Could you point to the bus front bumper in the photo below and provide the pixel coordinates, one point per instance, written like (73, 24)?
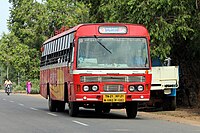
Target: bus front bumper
(100, 97)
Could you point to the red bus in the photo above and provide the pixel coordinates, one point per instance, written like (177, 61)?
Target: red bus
(101, 66)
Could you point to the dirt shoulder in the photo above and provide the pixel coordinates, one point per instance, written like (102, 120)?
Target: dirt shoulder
(181, 115)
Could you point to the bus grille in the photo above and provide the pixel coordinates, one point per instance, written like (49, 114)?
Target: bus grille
(136, 79)
(112, 79)
(113, 88)
(89, 79)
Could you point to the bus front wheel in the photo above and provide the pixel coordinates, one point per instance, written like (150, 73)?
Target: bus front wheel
(131, 109)
(73, 109)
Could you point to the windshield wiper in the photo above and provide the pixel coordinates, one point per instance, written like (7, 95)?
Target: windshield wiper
(102, 44)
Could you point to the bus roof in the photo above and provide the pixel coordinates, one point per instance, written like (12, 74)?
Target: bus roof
(97, 24)
(63, 33)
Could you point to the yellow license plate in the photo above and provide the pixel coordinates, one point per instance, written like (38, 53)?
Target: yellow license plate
(113, 98)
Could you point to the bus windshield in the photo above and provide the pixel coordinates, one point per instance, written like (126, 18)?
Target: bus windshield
(112, 53)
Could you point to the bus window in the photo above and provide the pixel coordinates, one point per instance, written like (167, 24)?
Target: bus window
(119, 53)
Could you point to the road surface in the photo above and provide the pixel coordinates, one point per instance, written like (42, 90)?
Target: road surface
(22, 113)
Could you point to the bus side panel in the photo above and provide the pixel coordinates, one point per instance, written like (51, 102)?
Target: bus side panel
(43, 83)
(70, 84)
(60, 83)
(52, 83)
(72, 94)
(56, 84)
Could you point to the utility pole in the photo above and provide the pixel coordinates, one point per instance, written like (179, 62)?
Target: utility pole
(7, 72)
(18, 79)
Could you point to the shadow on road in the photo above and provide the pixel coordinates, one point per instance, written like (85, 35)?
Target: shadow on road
(91, 114)
(150, 109)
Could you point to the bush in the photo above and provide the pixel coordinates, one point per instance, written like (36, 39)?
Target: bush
(35, 91)
(35, 86)
(18, 88)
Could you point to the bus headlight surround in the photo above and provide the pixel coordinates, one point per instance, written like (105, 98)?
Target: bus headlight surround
(131, 88)
(140, 88)
(95, 88)
(86, 88)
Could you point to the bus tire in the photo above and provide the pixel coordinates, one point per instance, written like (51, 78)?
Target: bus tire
(52, 104)
(131, 109)
(61, 106)
(98, 108)
(73, 109)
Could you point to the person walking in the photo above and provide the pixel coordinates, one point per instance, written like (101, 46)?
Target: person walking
(28, 87)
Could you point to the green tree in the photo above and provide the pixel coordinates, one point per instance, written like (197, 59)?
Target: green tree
(26, 22)
(65, 13)
(32, 23)
(96, 15)
(14, 55)
(163, 18)
(174, 30)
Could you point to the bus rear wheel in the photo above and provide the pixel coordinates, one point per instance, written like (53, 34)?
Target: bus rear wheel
(131, 109)
(61, 106)
(73, 109)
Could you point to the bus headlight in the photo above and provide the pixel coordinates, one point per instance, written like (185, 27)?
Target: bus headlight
(140, 88)
(95, 88)
(131, 88)
(86, 88)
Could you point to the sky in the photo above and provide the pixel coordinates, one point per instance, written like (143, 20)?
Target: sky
(4, 15)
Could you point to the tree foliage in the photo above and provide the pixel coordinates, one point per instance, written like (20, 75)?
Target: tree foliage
(164, 19)
(30, 24)
(65, 13)
(14, 55)
(26, 22)
(174, 30)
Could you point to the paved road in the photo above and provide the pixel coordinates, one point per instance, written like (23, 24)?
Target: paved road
(28, 114)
